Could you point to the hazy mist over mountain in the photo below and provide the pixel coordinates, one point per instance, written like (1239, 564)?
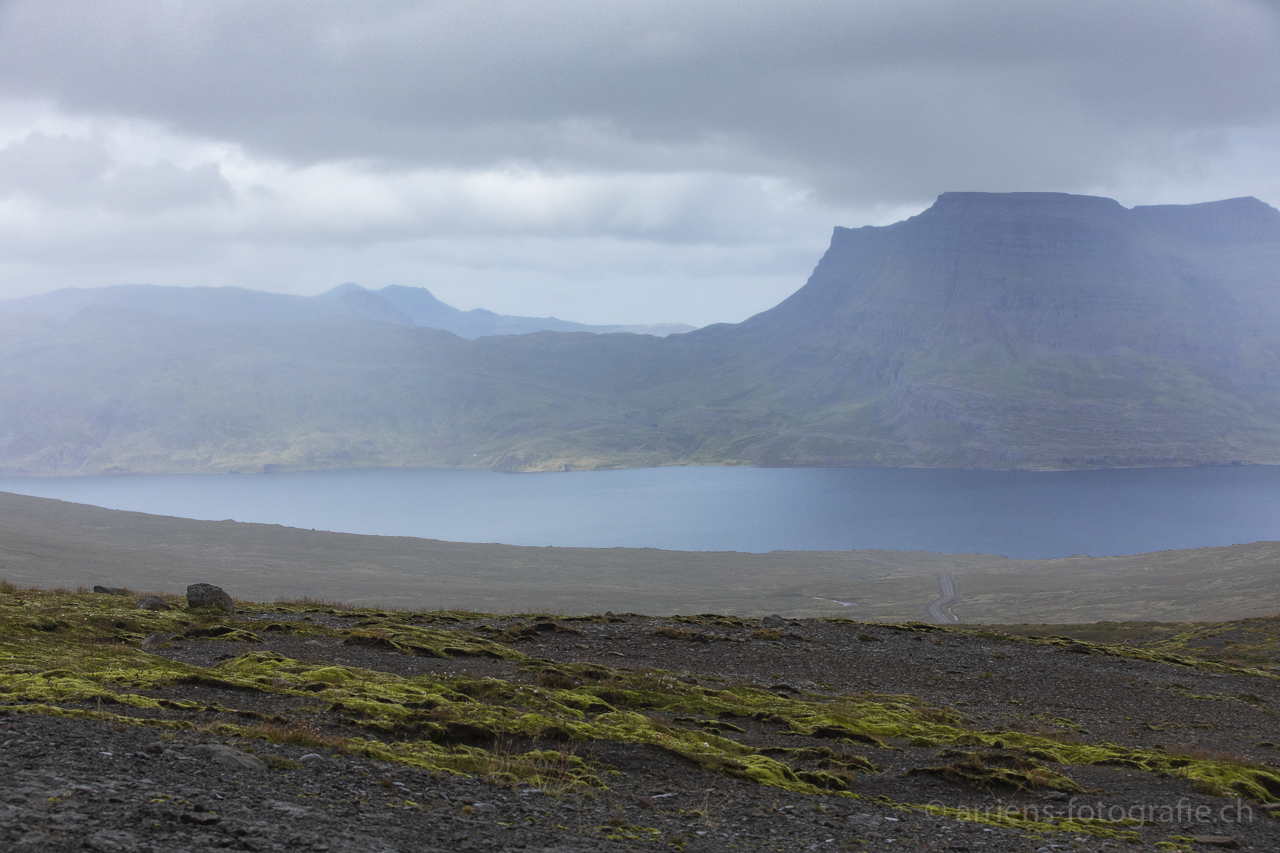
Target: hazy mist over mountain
(1023, 330)
(406, 306)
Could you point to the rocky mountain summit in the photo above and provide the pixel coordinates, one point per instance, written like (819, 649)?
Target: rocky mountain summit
(315, 726)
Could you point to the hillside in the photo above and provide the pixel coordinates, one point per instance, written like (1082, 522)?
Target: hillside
(1028, 330)
(54, 543)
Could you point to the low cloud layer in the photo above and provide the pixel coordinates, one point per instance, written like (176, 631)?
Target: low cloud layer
(626, 162)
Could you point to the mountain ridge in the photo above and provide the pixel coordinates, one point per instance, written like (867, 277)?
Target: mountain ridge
(990, 331)
(397, 304)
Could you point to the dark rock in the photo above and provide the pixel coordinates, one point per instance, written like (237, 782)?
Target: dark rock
(774, 621)
(110, 590)
(208, 595)
(153, 602)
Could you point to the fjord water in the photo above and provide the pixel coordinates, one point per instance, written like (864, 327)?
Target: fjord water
(1020, 514)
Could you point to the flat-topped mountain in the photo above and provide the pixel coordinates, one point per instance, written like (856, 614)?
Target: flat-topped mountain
(1048, 271)
(1024, 330)
(1042, 329)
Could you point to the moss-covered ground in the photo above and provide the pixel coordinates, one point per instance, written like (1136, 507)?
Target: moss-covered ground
(80, 654)
(1252, 644)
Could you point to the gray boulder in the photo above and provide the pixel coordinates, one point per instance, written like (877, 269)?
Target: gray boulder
(156, 641)
(208, 595)
(153, 602)
(773, 620)
(226, 756)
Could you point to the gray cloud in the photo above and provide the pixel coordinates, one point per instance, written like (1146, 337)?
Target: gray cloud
(635, 161)
(73, 172)
(879, 102)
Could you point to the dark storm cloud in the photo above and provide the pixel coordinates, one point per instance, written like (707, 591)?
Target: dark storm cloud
(864, 102)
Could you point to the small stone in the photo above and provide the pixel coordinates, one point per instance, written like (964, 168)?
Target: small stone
(111, 840)
(199, 818)
(773, 620)
(1217, 841)
(152, 602)
(110, 590)
(226, 756)
(208, 595)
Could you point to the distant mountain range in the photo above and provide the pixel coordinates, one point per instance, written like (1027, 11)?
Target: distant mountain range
(406, 306)
(1024, 330)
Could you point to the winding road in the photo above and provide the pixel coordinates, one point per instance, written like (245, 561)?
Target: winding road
(940, 610)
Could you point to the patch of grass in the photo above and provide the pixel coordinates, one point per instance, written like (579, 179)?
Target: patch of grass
(997, 768)
(53, 660)
(686, 634)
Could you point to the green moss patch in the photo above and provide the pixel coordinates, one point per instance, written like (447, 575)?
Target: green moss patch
(81, 655)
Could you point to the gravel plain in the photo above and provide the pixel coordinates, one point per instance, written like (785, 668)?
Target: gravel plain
(73, 784)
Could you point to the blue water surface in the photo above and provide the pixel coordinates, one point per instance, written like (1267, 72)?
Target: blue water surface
(1017, 514)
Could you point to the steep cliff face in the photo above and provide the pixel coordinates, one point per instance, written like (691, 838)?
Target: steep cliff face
(1047, 271)
(1036, 329)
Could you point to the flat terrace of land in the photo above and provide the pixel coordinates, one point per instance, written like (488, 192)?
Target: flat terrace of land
(52, 543)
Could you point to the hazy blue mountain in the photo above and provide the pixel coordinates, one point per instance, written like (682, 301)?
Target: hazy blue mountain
(405, 306)
(1031, 329)
(426, 310)
(1027, 330)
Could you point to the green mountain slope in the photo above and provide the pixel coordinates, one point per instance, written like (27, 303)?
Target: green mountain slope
(1020, 330)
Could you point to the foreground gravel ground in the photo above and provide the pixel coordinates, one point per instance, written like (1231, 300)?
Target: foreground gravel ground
(73, 784)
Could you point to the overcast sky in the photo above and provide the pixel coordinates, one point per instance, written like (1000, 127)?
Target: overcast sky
(600, 161)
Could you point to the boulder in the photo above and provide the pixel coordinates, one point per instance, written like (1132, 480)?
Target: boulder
(111, 590)
(208, 595)
(226, 756)
(773, 620)
(153, 602)
(156, 641)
